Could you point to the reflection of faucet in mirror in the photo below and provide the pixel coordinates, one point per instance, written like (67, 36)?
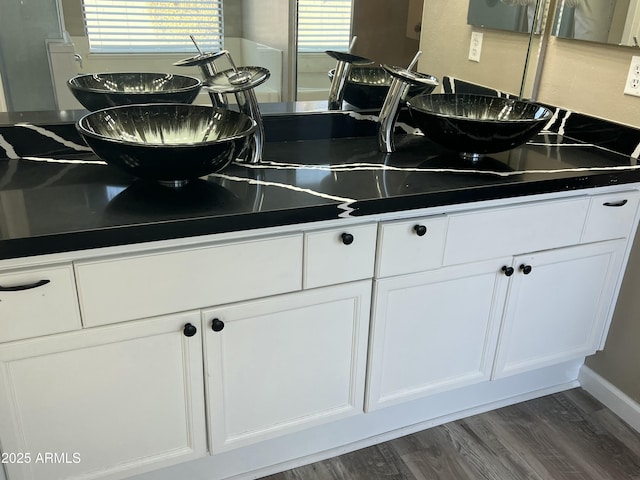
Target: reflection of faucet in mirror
(208, 68)
(344, 61)
(403, 79)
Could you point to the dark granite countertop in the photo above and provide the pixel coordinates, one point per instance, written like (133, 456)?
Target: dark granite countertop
(56, 195)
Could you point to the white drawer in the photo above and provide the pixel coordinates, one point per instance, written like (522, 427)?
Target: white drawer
(409, 246)
(116, 290)
(38, 302)
(339, 255)
(611, 216)
(490, 233)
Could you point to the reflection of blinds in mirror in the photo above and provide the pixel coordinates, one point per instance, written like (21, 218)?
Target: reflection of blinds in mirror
(153, 26)
(324, 25)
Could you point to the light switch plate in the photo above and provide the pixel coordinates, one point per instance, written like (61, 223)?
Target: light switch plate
(632, 86)
(476, 46)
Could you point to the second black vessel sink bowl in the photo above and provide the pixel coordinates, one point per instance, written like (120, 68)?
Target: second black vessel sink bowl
(169, 143)
(476, 125)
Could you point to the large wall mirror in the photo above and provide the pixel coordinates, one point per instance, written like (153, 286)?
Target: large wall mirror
(511, 15)
(615, 22)
(44, 42)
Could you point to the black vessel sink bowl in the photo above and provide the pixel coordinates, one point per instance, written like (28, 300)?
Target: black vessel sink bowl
(367, 87)
(170, 143)
(103, 90)
(475, 125)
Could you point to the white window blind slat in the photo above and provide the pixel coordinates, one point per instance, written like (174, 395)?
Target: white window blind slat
(148, 26)
(324, 25)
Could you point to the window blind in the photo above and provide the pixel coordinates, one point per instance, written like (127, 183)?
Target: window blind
(324, 25)
(153, 26)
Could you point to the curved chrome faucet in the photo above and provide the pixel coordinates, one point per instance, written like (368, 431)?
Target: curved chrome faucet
(242, 82)
(402, 80)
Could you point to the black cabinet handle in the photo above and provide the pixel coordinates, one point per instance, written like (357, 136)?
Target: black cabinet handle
(217, 325)
(347, 238)
(420, 230)
(508, 271)
(28, 286)
(189, 330)
(526, 269)
(621, 203)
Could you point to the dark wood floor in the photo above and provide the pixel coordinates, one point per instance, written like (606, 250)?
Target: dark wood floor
(569, 435)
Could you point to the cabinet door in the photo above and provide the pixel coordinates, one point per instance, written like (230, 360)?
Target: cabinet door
(109, 402)
(558, 306)
(434, 331)
(285, 363)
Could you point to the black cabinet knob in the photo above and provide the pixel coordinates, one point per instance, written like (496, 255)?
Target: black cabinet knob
(526, 269)
(190, 330)
(217, 325)
(508, 271)
(347, 238)
(420, 230)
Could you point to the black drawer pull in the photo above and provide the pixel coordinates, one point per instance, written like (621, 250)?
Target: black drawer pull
(508, 271)
(217, 325)
(189, 330)
(621, 203)
(420, 230)
(526, 269)
(28, 286)
(347, 238)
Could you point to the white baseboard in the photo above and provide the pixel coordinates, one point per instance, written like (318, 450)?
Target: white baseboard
(611, 396)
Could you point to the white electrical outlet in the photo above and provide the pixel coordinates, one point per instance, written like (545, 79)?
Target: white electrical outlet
(476, 46)
(632, 87)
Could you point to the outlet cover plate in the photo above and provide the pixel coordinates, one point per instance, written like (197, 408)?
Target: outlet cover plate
(632, 87)
(475, 48)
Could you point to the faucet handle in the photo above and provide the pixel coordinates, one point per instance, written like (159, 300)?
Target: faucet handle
(349, 58)
(410, 77)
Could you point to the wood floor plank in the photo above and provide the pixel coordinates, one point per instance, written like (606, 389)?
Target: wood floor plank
(599, 452)
(537, 444)
(566, 436)
(376, 462)
(440, 459)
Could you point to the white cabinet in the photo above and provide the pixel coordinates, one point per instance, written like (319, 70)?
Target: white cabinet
(409, 246)
(486, 309)
(109, 401)
(339, 255)
(434, 331)
(558, 306)
(528, 227)
(117, 289)
(279, 332)
(285, 363)
(38, 301)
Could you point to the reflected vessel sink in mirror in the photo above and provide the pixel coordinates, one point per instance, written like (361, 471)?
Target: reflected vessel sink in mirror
(367, 86)
(103, 90)
(475, 125)
(169, 143)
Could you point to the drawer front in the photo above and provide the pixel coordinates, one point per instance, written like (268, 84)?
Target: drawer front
(410, 246)
(38, 302)
(611, 216)
(116, 290)
(339, 255)
(516, 229)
